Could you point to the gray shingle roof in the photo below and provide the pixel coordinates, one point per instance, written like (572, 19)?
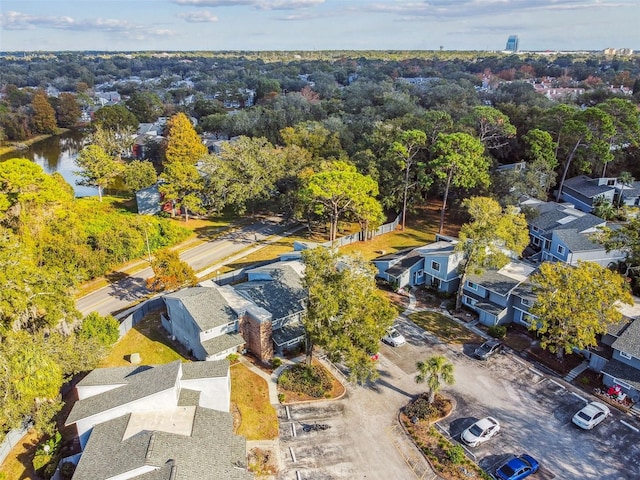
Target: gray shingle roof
(212, 451)
(140, 385)
(206, 305)
(629, 340)
(289, 332)
(111, 376)
(525, 290)
(394, 256)
(549, 220)
(577, 242)
(494, 281)
(586, 186)
(188, 397)
(623, 372)
(193, 370)
(283, 296)
(222, 342)
(405, 263)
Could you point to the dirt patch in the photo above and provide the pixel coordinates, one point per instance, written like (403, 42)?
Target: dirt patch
(337, 390)
(561, 366)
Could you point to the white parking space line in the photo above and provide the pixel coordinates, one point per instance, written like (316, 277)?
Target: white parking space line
(579, 396)
(293, 455)
(558, 384)
(630, 426)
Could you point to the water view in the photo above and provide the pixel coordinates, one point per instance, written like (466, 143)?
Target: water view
(57, 154)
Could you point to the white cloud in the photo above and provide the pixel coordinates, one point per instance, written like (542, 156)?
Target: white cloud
(22, 21)
(198, 17)
(257, 4)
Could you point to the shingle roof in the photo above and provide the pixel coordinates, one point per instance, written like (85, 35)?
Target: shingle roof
(405, 263)
(394, 255)
(289, 332)
(562, 218)
(111, 376)
(283, 296)
(206, 305)
(586, 186)
(499, 282)
(140, 385)
(577, 242)
(211, 451)
(222, 342)
(629, 340)
(193, 370)
(623, 372)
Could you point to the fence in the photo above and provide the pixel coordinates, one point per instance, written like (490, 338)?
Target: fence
(132, 316)
(362, 236)
(11, 440)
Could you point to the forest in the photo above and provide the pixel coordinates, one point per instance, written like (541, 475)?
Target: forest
(321, 137)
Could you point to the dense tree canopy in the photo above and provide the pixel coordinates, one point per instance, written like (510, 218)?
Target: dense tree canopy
(346, 315)
(574, 304)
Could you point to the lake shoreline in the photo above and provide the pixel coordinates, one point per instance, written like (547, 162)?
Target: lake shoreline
(20, 146)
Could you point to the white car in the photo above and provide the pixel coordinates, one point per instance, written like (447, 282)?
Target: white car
(394, 338)
(591, 415)
(481, 431)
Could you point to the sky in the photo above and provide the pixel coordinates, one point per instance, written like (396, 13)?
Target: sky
(173, 25)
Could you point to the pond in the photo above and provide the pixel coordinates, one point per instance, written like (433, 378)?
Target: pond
(57, 154)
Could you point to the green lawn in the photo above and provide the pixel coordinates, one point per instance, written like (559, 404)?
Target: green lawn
(147, 339)
(444, 328)
(250, 395)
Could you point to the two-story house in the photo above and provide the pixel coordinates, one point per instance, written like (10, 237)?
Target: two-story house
(562, 233)
(261, 315)
(583, 191)
(169, 421)
(490, 294)
(434, 265)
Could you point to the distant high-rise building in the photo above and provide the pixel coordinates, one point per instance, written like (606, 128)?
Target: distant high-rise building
(512, 44)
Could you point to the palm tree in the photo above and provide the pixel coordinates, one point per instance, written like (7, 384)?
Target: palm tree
(435, 370)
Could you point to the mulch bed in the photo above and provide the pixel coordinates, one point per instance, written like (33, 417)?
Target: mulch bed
(561, 366)
(337, 390)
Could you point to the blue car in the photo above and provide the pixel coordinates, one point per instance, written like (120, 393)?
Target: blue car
(518, 468)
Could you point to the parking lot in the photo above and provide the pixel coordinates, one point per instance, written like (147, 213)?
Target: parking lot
(533, 408)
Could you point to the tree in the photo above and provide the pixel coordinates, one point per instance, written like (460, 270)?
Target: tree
(98, 168)
(585, 137)
(626, 239)
(575, 304)
(346, 315)
(405, 150)
(626, 121)
(114, 142)
(435, 370)
(461, 162)
(483, 241)
(491, 125)
(103, 330)
(114, 117)
(146, 106)
(183, 143)
(339, 190)
(68, 110)
(181, 182)
(170, 273)
(139, 174)
(314, 137)
(44, 116)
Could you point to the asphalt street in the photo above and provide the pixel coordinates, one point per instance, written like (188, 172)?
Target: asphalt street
(125, 290)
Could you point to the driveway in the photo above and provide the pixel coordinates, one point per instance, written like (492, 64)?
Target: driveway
(534, 409)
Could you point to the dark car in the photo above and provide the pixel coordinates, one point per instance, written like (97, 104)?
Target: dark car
(487, 349)
(518, 468)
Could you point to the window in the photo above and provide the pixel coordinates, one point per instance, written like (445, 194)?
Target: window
(435, 266)
(560, 249)
(525, 302)
(470, 301)
(472, 286)
(536, 241)
(625, 355)
(535, 229)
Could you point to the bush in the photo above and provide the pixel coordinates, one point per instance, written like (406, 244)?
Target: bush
(313, 381)
(456, 455)
(276, 362)
(420, 409)
(498, 331)
(281, 397)
(104, 330)
(233, 358)
(67, 470)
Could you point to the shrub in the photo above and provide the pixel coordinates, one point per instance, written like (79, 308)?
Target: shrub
(67, 470)
(276, 362)
(281, 397)
(498, 331)
(233, 358)
(104, 330)
(313, 381)
(456, 455)
(420, 409)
